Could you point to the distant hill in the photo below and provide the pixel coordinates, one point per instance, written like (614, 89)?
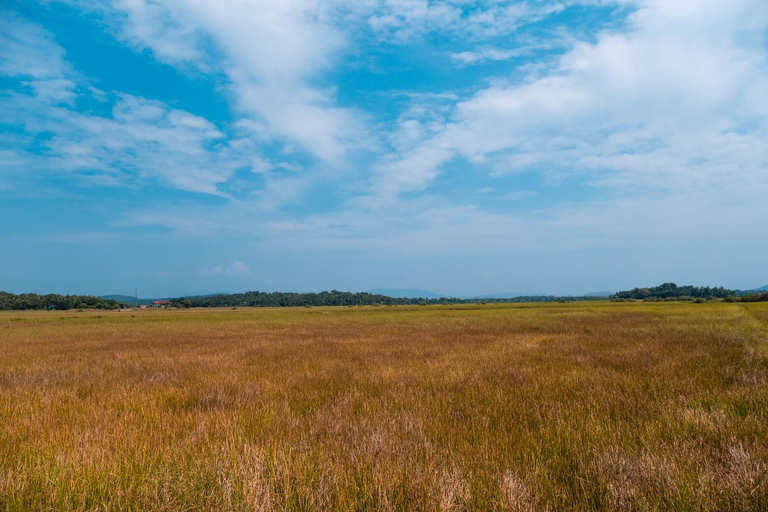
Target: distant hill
(762, 289)
(408, 293)
(132, 300)
(126, 298)
(598, 295)
(505, 295)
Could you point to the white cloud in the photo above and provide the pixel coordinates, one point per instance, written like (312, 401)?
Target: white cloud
(270, 52)
(486, 54)
(502, 19)
(677, 101)
(236, 268)
(274, 53)
(30, 52)
(402, 20)
(409, 172)
(141, 140)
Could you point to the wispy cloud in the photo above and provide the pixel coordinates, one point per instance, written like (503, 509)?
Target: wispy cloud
(670, 103)
(486, 54)
(31, 55)
(271, 52)
(137, 140)
(236, 268)
(404, 20)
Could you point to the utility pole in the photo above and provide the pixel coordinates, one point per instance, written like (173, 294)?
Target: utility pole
(137, 297)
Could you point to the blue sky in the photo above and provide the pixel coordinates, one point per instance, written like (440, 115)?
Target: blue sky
(187, 146)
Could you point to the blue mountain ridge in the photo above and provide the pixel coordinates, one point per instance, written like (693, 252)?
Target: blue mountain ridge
(130, 299)
(408, 293)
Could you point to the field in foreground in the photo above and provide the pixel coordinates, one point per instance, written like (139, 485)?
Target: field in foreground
(552, 407)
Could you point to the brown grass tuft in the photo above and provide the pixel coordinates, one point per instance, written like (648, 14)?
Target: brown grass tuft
(518, 493)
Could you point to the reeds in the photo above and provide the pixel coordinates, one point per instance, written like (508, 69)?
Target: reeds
(597, 406)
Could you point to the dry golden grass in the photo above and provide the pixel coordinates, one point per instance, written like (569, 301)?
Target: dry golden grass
(551, 407)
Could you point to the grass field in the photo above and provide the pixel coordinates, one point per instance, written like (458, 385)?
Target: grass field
(600, 406)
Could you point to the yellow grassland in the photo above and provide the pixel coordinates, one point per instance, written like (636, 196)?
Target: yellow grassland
(594, 406)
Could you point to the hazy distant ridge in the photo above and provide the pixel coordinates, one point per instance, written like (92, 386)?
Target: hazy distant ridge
(504, 295)
(408, 293)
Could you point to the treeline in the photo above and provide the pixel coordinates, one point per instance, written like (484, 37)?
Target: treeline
(338, 298)
(283, 299)
(10, 301)
(667, 291)
(670, 291)
(750, 297)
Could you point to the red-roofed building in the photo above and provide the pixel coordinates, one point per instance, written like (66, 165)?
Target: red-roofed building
(161, 303)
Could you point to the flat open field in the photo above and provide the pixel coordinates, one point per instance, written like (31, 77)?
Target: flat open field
(602, 406)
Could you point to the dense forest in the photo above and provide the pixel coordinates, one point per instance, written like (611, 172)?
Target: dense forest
(10, 301)
(670, 291)
(750, 297)
(337, 298)
(281, 299)
(33, 301)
